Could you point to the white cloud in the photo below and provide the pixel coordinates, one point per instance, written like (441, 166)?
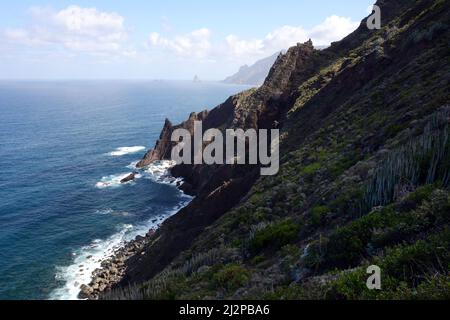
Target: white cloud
(194, 44)
(199, 43)
(332, 29)
(277, 40)
(74, 28)
(369, 9)
(240, 47)
(18, 35)
(90, 22)
(87, 36)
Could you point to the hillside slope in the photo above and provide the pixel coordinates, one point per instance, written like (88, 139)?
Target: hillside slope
(364, 177)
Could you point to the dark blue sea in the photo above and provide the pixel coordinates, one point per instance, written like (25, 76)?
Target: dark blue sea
(64, 147)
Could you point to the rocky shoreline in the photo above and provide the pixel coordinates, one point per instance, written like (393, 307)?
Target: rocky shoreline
(113, 269)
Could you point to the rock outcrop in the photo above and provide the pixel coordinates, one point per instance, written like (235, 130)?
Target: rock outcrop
(162, 148)
(129, 178)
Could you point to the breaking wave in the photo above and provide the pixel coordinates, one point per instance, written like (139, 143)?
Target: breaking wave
(126, 150)
(89, 258)
(159, 171)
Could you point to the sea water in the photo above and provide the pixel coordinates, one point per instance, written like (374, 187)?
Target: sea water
(64, 147)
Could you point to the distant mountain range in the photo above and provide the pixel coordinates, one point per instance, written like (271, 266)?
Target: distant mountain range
(254, 74)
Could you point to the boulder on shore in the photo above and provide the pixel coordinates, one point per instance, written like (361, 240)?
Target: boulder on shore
(129, 178)
(85, 292)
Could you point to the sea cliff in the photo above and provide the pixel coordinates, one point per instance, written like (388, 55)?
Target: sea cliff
(364, 177)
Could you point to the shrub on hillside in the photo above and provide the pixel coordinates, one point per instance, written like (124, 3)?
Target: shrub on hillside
(231, 277)
(275, 235)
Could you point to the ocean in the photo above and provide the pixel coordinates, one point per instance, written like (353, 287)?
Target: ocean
(64, 147)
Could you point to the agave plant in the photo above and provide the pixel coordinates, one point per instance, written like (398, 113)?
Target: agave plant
(422, 160)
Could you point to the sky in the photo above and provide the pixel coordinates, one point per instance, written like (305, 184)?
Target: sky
(171, 39)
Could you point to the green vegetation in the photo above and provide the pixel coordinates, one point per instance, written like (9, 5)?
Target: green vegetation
(417, 271)
(275, 236)
(319, 215)
(311, 169)
(423, 160)
(348, 245)
(231, 277)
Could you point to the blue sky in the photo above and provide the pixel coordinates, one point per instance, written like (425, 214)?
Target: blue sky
(160, 39)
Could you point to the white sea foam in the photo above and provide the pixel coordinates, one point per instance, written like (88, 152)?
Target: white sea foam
(85, 261)
(133, 165)
(159, 171)
(109, 211)
(113, 181)
(126, 150)
(104, 211)
(89, 258)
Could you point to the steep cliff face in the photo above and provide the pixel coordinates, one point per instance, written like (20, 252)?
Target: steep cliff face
(364, 177)
(217, 188)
